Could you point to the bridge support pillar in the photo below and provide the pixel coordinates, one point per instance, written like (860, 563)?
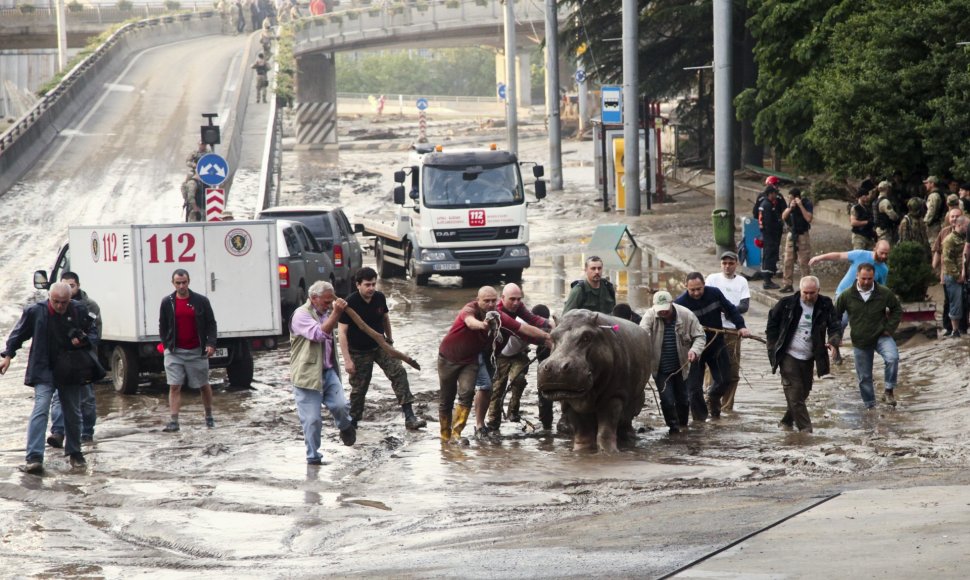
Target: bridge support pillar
(523, 75)
(316, 101)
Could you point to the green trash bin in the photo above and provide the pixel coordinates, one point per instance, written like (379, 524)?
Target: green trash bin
(723, 232)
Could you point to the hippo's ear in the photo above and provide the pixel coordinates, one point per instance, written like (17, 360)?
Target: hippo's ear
(596, 318)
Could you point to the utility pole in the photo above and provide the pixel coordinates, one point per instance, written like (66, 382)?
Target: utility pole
(61, 36)
(552, 96)
(723, 116)
(511, 92)
(631, 121)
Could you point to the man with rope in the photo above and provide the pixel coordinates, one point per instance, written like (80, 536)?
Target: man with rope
(678, 337)
(708, 303)
(477, 323)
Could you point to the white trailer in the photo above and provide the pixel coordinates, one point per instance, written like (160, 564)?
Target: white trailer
(127, 270)
(467, 215)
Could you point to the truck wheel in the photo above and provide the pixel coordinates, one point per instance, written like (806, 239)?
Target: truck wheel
(240, 369)
(124, 369)
(385, 269)
(419, 279)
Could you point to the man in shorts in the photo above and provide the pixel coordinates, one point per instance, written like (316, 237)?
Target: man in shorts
(187, 327)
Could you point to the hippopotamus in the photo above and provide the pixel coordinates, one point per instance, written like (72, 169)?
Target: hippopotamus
(598, 369)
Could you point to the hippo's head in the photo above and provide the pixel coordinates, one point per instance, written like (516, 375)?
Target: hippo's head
(582, 352)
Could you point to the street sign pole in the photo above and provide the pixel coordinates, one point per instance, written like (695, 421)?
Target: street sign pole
(422, 105)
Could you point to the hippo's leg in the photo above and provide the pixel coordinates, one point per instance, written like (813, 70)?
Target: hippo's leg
(608, 419)
(584, 430)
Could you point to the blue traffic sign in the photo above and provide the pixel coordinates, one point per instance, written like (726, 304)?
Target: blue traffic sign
(501, 91)
(612, 109)
(212, 169)
(422, 104)
(580, 76)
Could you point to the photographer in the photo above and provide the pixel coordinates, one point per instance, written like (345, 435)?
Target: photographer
(798, 244)
(61, 359)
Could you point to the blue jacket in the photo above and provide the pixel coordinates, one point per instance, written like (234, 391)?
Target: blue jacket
(33, 325)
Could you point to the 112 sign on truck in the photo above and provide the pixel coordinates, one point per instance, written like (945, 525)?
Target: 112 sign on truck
(128, 269)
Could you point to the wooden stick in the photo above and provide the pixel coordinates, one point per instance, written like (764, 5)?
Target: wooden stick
(379, 339)
(731, 331)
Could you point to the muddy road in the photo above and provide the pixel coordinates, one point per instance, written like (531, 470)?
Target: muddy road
(239, 501)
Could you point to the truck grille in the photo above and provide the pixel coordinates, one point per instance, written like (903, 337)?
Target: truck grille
(478, 256)
(477, 234)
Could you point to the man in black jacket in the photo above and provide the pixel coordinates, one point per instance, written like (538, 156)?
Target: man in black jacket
(187, 327)
(57, 326)
(796, 341)
(772, 226)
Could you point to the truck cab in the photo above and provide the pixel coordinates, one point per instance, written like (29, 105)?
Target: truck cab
(464, 211)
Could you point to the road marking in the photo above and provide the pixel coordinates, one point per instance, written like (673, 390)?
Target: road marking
(119, 88)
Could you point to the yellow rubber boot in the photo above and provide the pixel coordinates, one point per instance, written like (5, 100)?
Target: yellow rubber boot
(445, 420)
(458, 423)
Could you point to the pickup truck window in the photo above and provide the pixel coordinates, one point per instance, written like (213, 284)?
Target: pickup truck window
(308, 241)
(496, 185)
(292, 241)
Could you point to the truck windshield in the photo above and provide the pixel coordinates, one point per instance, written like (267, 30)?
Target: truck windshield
(449, 187)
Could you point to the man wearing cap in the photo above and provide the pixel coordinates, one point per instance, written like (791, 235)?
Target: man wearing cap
(935, 206)
(887, 219)
(677, 335)
(861, 222)
(795, 335)
(772, 226)
(708, 304)
(798, 244)
(735, 289)
(912, 228)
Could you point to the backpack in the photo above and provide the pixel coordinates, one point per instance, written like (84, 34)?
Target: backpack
(604, 281)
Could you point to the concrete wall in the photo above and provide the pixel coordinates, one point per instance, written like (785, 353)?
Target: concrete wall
(26, 141)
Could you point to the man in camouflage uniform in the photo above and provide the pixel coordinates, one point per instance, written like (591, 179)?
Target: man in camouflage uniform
(912, 228)
(360, 351)
(886, 217)
(935, 206)
(193, 200)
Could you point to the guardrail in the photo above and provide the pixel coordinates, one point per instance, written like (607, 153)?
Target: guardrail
(26, 139)
(94, 14)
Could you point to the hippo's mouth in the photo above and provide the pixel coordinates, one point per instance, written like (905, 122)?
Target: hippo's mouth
(557, 391)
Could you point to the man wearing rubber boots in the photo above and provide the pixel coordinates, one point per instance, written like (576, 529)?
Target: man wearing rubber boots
(361, 351)
(477, 323)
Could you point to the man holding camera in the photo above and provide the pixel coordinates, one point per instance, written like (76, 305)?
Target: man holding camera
(798, 244)
(61, 360)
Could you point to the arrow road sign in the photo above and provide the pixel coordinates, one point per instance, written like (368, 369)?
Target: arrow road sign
(422, 104)
(580, 76)
(501, 91)
(212, 169)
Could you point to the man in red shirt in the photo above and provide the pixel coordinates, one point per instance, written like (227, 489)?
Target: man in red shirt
(477, 323)
(187, 328)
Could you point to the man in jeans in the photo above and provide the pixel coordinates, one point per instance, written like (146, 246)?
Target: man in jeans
(56, 325)
(89, 412)
(874, 314)
(953, 276)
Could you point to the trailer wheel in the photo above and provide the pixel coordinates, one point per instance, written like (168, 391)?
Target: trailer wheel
(124, 369)
(384, 268)
(419, 279)
(240, 369)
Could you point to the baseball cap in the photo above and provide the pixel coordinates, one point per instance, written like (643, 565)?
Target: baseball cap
(729, 254)
(662, 301)
(953, 200)
(931, 179)
(884, 186)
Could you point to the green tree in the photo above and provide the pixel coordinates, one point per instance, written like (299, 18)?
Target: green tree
(436, 72)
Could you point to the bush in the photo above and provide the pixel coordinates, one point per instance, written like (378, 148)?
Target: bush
(172, 5)
(910, 273)
(75, 6)
(125, 5)
(452, 3)
(26, 8)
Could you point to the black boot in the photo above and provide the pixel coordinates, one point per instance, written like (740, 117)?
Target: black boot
(410, 420)
(769, 285)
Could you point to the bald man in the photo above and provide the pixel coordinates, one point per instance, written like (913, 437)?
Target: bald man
(471, 333)
(513, 359)
(877, 257)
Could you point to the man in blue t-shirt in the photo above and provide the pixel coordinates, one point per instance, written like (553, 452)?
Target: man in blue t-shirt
(877, 257)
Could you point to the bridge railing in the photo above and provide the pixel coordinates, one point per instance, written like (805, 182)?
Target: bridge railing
(96, 14)
(381, 15)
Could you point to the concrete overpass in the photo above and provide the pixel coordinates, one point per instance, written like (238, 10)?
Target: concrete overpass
(421, 23)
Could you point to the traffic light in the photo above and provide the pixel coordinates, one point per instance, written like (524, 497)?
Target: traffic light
(210, 134)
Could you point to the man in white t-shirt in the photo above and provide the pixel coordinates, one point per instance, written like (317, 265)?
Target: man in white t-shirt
(735, 289)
